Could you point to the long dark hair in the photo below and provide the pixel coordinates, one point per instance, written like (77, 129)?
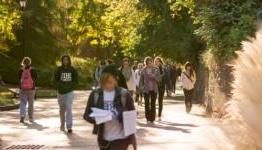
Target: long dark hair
(191, 71)
(69, 59)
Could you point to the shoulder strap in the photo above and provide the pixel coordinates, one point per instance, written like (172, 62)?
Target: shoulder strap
(123, 97)
(96, 96)
(187, 76)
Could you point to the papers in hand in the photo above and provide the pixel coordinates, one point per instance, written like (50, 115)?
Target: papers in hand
(101, 115)
(129, 121)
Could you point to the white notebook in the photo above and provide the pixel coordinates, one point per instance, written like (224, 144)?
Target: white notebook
(129, 120)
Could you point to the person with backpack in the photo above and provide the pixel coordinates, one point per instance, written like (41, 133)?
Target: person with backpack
(161, 84)
(188, 78)
(27, 77)
(65, 81)
(149, 85)
(116, 100)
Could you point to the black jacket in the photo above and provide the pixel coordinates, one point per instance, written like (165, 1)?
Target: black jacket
(99, 129)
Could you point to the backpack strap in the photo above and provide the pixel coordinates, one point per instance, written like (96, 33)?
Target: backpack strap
(123, 97)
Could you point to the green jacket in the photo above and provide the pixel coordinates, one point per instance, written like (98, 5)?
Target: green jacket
(65, 79)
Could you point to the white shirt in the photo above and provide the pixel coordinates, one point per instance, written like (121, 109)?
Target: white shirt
(113, 130)
(187, 83)
(137, 76)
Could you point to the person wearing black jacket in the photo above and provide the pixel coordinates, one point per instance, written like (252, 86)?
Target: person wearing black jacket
(27, 78)
(115, 99)
(65, 81)
(161, 84)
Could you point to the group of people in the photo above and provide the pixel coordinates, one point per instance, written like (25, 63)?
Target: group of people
(116, 90)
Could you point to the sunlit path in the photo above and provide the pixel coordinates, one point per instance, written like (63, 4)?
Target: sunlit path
(177, 130)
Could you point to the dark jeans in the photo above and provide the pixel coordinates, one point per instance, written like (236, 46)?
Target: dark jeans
(188, 99)
(122, 144)
(161, 92)
(150, 105)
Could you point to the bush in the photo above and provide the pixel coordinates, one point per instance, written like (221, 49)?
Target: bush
(8, 69)
(85, 68)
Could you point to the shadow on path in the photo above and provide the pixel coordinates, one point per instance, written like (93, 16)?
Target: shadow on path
(35, 126)
(164, 127)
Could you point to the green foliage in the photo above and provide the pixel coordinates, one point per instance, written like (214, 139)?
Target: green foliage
(9, 20)
(224, 24)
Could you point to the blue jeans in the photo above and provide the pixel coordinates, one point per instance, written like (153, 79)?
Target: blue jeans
(65, 102)
(26, 96)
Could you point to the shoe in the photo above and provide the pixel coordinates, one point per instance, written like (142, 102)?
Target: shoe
(159, 119)
(22, 120)
(70, 131)
(31, 120)
(62, 128)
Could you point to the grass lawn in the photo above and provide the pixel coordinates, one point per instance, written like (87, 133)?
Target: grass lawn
(6, 97)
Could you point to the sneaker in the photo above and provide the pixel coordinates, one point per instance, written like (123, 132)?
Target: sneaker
(70, 131)
(22, 120)
(31, 120)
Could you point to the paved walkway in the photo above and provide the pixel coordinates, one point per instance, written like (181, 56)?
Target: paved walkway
(176, 131)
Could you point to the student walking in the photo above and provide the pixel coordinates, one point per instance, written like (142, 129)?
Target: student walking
(129, 75)
(161, 84)
(148, 83)
(27, 77)
(188, 78)
(98, 72)
(65, 81)
(139, 94)
(116, 100)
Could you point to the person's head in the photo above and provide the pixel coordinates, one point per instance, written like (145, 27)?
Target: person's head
(65, 60)
(102, 63)
(135, 63)
(125, 63)
(110, 61)
(148, 61)
(189, 67)
(140, 65)
(108, 81)
(26, 62)
(158, 61)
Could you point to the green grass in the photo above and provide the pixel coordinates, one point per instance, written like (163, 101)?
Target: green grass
(7, 101)
(46, 93)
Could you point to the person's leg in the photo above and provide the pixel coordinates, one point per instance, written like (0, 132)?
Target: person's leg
(22, 108)
(186, 93)
(153, 96)
(61, 102)
(31, 97)
(120, 144)
(190, 99)
(147, 107)
(69, 115)
(160, 101)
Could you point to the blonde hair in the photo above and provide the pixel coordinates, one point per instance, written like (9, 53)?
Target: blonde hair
(104, 78)
(26, 59)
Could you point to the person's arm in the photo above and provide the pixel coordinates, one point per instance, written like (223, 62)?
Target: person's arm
(130, 105)
(88, 111)
(141, 81)
(56, 78)
(34, 74)
(194, 77)
(121, 80)
(183, 79)
(20, 72)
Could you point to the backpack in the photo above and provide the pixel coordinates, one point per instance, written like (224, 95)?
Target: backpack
(27, 82)
(123, 97)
